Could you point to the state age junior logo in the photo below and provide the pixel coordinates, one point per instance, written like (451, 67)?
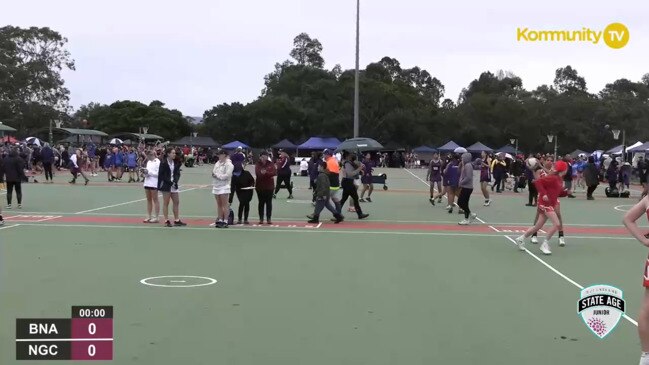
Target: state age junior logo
(601, 307)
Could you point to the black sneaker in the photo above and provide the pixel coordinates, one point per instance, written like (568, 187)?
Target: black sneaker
(239, 222)
(368, 199)
(363, 216)
(313, 220)
(269, 222)
(432, 201)
(246, 223)
(290, 197)
(168, 224)
(179, 223)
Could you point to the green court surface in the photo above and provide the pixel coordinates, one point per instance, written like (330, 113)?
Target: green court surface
(406, 286)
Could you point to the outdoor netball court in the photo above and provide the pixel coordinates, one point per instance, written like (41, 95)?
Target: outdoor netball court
(406, 286)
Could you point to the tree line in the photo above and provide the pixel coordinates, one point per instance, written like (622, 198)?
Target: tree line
(301, 98)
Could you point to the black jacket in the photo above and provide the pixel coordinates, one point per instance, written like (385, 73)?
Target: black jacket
(47, 155)
(13, 169)
(167, 179)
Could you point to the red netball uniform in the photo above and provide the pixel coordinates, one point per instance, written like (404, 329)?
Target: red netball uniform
(552, 187)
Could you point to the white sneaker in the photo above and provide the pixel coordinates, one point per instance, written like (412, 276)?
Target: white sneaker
(464, 222)
(520, 242)
(562, 242)
(447, 207)
(545, 248)
(487, 203)
(472, 217)
(535, 240)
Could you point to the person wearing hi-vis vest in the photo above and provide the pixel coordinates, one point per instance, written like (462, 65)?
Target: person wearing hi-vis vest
(333, 169)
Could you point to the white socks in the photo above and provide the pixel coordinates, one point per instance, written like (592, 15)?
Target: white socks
(644, 358)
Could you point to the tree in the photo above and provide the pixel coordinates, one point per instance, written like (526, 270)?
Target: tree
(567, 79)
(307, 51)
(32, 90)
(129, 116)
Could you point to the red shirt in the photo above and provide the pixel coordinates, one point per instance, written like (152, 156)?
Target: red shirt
(552, 186)
(265, 179)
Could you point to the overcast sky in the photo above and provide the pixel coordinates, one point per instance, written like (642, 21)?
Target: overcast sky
(194, 54)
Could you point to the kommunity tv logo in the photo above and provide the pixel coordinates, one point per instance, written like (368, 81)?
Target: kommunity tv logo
(615, 35)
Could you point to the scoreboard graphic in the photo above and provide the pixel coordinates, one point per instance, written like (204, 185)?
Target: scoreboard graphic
(87, 335)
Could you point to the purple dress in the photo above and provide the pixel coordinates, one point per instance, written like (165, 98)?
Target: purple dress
(485, 173)
(367, 172)
(436, 170)
(452, 176)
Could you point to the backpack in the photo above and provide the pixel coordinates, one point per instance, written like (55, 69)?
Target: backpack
(231, 217)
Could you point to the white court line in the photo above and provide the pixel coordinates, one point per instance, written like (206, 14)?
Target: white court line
(546, 264)
(581, 287)
(49, 218)
(131, 202)
(12, 226)
(417, 177)
(309, 230)
(508, 224)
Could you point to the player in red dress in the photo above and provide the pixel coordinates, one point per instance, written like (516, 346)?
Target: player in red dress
(541, 169)
(630, 218)
(550, 187)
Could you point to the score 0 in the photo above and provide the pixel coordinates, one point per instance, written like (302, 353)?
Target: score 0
(92, 332)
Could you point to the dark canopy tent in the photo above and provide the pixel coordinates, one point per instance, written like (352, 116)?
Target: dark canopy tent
(195, 141)
(5, 129)
(319, 143)
(233, 145)
(72, 135)
(285, 144)
(424, 149)
(450, 146)
(478, 147)
(508, 149)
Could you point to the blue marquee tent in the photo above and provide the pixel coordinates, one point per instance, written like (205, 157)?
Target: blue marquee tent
(450, 146)
(478, 147)
(319, 143)
(233, 145)
(285, 144)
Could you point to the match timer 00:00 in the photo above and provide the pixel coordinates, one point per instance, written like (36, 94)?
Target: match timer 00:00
(88, 335)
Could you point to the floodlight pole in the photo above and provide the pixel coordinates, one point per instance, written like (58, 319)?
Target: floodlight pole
(356, 74)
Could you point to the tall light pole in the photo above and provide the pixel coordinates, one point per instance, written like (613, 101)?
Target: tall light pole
(556, 139)
(356, 74)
